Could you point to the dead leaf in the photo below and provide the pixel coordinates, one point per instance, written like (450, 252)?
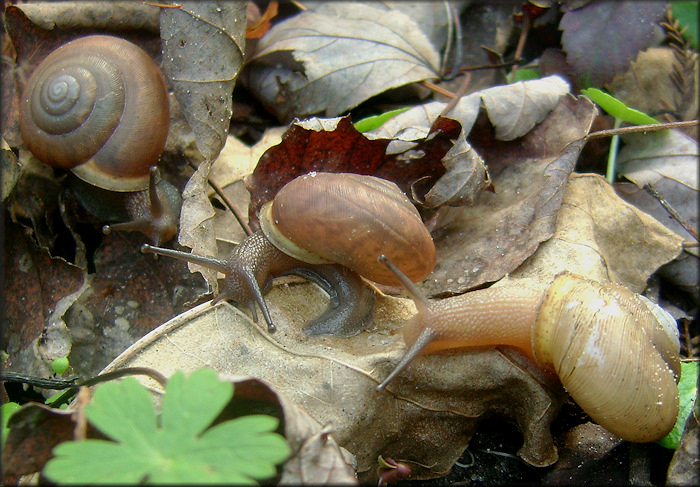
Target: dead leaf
(130, 293)
(334, 145)
(601, 237)
(515, 109)
(10, 170)
(334, 380)
(34, 430)
(684, 465)
(316, 455)
(38, 289)
(586, 449)
(602, 38)
(328, 145)
(502, 229)
(668, 161)
(341, 55)
(91, 15)
(35, 200)
(648, 85)
(319, 462)
(203, 47)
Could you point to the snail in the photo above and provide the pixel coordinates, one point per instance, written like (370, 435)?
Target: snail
(330, 228)
(98, 106)
(615, 352)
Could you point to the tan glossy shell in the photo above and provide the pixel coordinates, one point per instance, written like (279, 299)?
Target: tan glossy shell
(351, 220)
(99, 105)
(610, 352)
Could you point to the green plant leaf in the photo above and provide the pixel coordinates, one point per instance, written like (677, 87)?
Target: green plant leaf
(375, 121)
(618, 109)
(193, 403)
(687, 394)
(525, 74)
(5, 412)
(179, 450)
(60, 365)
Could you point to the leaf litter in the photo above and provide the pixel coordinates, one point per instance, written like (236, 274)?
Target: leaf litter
(524, 144)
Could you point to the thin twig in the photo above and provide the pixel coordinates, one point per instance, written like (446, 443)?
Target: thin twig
(115, 374)
(438, 89)
(671, 211)
(458, 96)
(521, 41)
(504, 64)
(229, 204)
(43, 382)
(653, 127)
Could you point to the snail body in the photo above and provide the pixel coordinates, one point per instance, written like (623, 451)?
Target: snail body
(614, 352)
(98, 106)
(330, 228)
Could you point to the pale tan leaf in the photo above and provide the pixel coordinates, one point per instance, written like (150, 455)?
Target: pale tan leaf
(349, 52)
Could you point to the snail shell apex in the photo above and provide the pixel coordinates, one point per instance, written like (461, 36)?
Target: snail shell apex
(350, 219)
(611, 354)
(99, 105)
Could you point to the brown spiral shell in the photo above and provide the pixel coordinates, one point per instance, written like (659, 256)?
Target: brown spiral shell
(98, 105)
(349, 219)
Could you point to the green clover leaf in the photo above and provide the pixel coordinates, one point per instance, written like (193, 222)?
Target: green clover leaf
(175, 446)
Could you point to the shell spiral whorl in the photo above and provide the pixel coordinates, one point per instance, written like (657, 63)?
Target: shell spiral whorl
(98, 105)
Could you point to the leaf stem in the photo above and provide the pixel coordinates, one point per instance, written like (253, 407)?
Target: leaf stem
(612, 154)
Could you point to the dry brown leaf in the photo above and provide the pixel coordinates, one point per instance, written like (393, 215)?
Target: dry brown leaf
(91, 15)
(38, 289)
(334, 380)
(502, 229)
(601, 237)
(668, 160)
(343, 53)
(648, 87)
(203, 48)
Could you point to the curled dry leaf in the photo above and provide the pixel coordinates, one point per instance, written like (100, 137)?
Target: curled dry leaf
(91, 15)
(334, 145)
(341, 54)
(502, 229)
(512, 109)
(203, 47)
